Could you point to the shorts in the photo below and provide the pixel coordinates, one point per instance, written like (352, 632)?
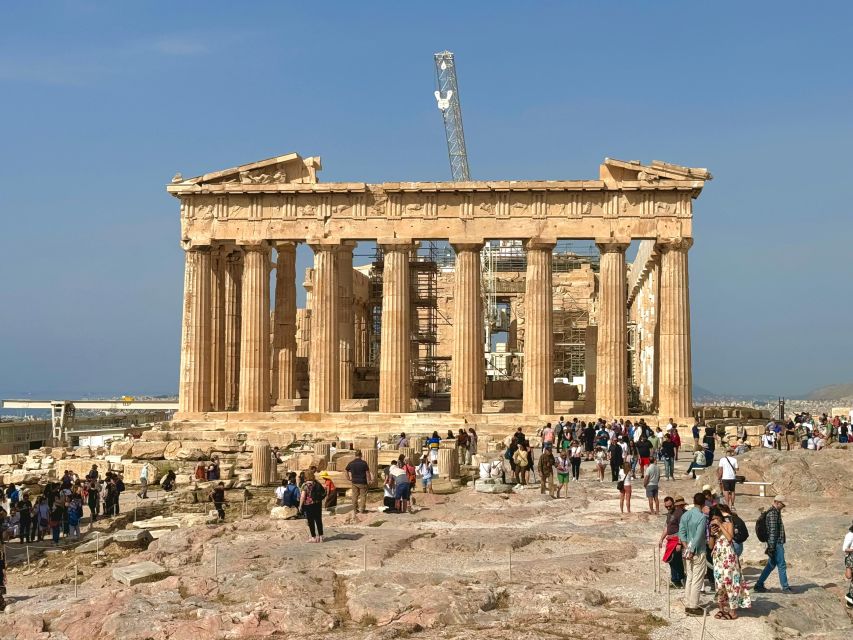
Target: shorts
(645, 461)
(403, 491)
(562, 478)
(729, 485)
(652, 491)
(425, 482)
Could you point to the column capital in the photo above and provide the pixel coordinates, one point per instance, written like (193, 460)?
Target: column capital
(253, 245)
(323, 244)
(466, 245)
(545, 244)
(612, 245)
(284, 244)
(670, 244)
(189, 245)
(395, 244)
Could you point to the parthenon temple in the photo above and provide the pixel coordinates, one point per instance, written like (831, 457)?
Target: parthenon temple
(524, 297)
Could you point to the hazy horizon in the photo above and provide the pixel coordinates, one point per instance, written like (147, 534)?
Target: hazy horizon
(105, 102)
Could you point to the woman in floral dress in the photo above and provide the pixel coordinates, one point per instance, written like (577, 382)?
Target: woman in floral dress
(732, 593)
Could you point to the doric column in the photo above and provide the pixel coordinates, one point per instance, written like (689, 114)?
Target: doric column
(323, 366)
(284, 330)
(194, 389)
(538, 398)
(217, 328)
(255, 334)
(675, 375)
(346, 326)
(395, 346)
(612, 357)
(233, 302)
(467, 367)
(261, 461)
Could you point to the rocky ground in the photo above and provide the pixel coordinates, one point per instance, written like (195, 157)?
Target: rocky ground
(466, 565)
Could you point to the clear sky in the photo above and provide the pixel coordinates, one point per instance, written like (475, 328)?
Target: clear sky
(102, 102)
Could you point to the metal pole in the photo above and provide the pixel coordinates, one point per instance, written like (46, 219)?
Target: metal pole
(215, 560)
(28, 555)
(510, 564)
(668, 600)
(97, 545)
(704, 621)
(364, 559)
(75, 578)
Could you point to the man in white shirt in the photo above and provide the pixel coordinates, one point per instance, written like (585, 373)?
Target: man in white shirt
(143, 481)
(768, 440)
(727, 476)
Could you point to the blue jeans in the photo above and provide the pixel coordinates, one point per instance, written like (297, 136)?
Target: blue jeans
(693, 466)
(668, 467)
(738, 547)
(774, 561)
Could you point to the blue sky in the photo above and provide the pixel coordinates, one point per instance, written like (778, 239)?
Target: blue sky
(102, 102)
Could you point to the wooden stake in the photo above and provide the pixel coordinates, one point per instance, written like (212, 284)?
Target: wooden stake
(364, 559)
(668, 601)
(28, 555)
(510, 564)
(97, 545)
(75, 578)
(215, 560)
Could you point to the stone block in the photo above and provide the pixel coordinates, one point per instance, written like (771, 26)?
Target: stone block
(93, 544)
(81, 466)
(228, 445)
(133, 538)
(491, 486)
(132, 471)
(173, 447)
(139, 573)
(283, 513)
(143, 450)
(122, 448)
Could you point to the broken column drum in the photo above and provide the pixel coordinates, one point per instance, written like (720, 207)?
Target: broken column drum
(261, 462)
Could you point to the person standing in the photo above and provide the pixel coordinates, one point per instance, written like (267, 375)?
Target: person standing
(624, 487)
(651, 481)
(775, 547)
(672, 551)
(311, 504)
(25, 509)
(847, 548)
(472, 446)
(727, 476)
(691, 533)
(576, 453)
(667, 453)
(695, 432)
(143, 482)
(564, 468)
(732, 593)
(358, 473)
(617, 457)
(425, 471)
(217, 497)
(546, 471)
(520, 459)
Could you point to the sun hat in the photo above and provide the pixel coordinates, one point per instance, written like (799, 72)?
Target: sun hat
(324, 474)
(779, 498)
(679, 500)
(706, 487)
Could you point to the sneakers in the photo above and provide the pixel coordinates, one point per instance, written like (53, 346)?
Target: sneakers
(759, 588)
(694, 611)
(788, 590)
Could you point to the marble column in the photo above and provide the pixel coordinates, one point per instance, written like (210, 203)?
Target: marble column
(255, 334)
(346, 326)
(324, 366)
(538, 392)
(261, 461)
(468, 360)
(675, 374)
(612, 355)
(233, 301)
(284, 330)
(395, 347)
(217, 328)
(371, 457)
(194, 389)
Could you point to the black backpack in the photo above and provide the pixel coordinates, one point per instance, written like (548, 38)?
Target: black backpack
(761, 527)
(318, 492)
(741, 533)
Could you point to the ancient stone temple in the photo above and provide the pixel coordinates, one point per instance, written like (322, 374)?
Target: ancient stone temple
(248, 353)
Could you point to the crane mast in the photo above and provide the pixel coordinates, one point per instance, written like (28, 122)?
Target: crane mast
(447, 97)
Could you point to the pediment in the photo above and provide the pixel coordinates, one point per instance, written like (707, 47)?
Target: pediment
(287, 169)
(621, 170)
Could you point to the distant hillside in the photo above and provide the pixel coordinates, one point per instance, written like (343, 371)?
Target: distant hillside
(831, 392)
(701, 393)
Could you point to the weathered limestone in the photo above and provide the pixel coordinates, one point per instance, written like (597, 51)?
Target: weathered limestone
(467, 372)
(194, 390)
(371, 457)
(346, 328)
(255, 335)
(217, 329)
(140, 572)
(261, 462)
(284, 331)
(233, 328)
(395, 372)
(448, 464)
(324, 367)
(323, 449)
(612, 356)
(538, 398)
(676, 397)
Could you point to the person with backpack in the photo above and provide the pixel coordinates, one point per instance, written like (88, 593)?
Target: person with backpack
(217, 497)
(740, 532)
(771, 530)
(732, 593)
(311, 498)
